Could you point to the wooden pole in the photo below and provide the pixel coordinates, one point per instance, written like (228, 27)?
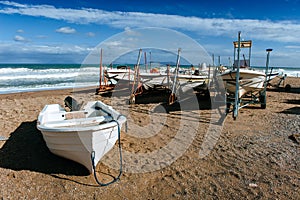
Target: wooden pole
(145, 55)
(136, 72)
(100, 79)
(172, 96)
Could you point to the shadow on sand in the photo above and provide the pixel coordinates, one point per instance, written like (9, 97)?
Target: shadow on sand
(26, 150)
(293, 101)
(189, 103)
(293, 110)
(295, 90)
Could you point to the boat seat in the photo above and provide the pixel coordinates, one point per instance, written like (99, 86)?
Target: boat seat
(76, 115)
(79, 122)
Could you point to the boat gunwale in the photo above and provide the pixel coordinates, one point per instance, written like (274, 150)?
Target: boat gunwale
(96, 123)
(78, 128)
(243, 71)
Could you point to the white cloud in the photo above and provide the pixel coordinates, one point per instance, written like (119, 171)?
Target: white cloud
(19, 38)
(11, 52)
(90, 34)
(45, 49)
(41, 36)
(66, 30)
(292, 47)
(9, 3)
(259, 30)
(280, 31)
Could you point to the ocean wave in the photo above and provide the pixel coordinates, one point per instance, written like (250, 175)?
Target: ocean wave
(14, 70)
(38, 77)
(30, 88)
(23, 70)
(25, 73)
(290, 72)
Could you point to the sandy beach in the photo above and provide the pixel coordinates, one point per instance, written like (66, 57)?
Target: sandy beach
(168, 153)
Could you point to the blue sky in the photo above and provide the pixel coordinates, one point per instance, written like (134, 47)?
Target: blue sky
(66, 31)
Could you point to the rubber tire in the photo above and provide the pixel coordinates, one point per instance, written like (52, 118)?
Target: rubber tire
(287, 88)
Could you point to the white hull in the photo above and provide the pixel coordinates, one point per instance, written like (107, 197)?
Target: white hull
(128, 75)
(250, 81)
(76, 138)
(187, 81)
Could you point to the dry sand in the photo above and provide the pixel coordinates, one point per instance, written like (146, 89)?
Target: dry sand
(253, 157)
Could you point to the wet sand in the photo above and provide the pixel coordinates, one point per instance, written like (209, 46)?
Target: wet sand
(185, 153)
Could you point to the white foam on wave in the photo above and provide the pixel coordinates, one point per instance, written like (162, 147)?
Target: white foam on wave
(39, 76)
(29, 79)
(43, 87)
(13, 70)
(24, 73)
(290, 72)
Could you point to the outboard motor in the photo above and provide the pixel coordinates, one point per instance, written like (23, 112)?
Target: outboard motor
(72, 104)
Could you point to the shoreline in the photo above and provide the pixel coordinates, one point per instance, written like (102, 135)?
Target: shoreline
(289, 79)
(47, 91)
(253, 157)
(59, 76)
(50, 89)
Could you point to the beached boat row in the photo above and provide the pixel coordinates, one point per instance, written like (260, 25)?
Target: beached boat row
(86, 133)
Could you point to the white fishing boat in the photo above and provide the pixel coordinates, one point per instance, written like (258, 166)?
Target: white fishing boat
(249, 81)
(119, 73)
(128, 75)
(244, 85)
(187, 81)
(83, 136)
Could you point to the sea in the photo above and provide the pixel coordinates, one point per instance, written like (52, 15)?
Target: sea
(36, 77)
(16, 78)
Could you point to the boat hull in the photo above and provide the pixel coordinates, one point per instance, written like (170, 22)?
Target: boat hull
(78, 146)
(77, 138)
(186, 81)
(250, 81)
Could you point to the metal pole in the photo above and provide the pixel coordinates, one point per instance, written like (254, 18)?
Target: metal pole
(150, 61)
(176, 71)
(172, 96)
(267, 68)
(237, 79)
(168, 75)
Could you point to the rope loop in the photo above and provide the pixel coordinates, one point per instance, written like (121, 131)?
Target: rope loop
(120, 153)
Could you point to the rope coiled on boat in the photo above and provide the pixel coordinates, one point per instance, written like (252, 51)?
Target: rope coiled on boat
(120, 155)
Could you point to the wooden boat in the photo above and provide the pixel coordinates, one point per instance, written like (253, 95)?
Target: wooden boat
(83, 136)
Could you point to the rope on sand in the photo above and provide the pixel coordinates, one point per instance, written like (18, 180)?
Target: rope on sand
(120, 152)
